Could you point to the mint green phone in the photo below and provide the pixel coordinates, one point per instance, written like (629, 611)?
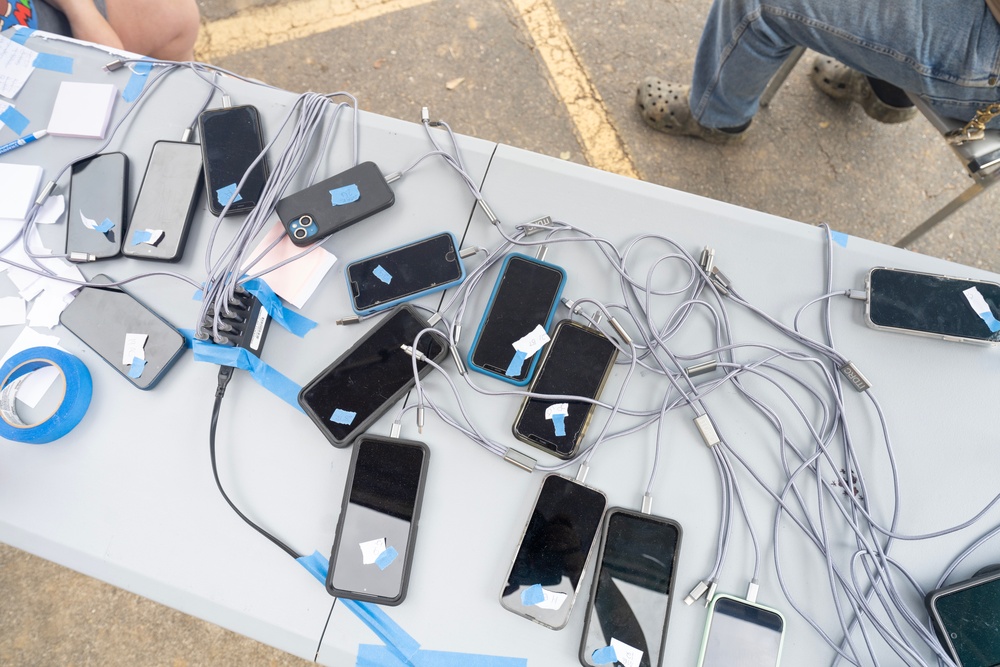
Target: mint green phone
(742, 633)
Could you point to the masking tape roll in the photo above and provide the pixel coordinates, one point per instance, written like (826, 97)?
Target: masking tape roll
(72, 407)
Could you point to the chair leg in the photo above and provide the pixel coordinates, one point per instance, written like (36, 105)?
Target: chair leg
(958, 202)
(782, 74)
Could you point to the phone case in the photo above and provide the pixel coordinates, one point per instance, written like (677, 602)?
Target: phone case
(945, 630)
(411, 539)
(533, 362)
(326, 207)
(711, 614)
(212, 180)
(109, 249)
(389, 304)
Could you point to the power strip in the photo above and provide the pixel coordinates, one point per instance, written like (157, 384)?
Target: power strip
(244, 324)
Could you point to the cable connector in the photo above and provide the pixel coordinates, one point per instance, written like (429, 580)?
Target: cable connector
(425, 115)
(707, 430)
(488, 211)
(702, 369)
(542, 224)
(420, 419)
(350, 319)
(707, 260)
(227, 101)
(542, 251)
(414, 353)
(647, 503)
(857, 294)
(752, 590)
(721, 281)
(187, 134)
(522, 461)
(434, 319)
(711, 593)
(855, 376)
(696, 593)
(621, 331)
(465, 253)
(393, 177)
(458, 360)
(114, 66)
(81, 257)
(581, 474)
(457, 333)
(395, 429)
(46, 191)
(243, 322)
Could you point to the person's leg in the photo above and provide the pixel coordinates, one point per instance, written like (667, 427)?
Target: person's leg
(164, 29)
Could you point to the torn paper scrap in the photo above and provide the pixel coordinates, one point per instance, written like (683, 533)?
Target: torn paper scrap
(51, 211)
(134, 347)
(12, 310)
(536, 596)
(371, 550)
(627, 655)
(982, 308)
(532, 342)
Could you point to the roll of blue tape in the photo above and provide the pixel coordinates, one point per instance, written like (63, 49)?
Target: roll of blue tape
(72, 408)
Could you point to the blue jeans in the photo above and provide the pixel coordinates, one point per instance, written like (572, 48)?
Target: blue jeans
(945, 51)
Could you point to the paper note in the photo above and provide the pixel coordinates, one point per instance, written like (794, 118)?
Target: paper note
(103, 227)
(134, 347)
(536, 596)
(627, 655)
(15, 67)
(371, 550)
(557, 409)
(11, 310)
(51, 211)
(296, 281)
(46, 308)
(982, 308)
(82, 109)
(532, 342)
(18, 189)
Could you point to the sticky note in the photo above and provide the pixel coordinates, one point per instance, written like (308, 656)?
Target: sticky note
(604, 656)
(82, 109)
(385, 558)
(982, 308)
(225, 194)
(515, 365)
(371, 550)
(382, 274)
(532, 342)
(137, 366)
(343, 417)
(345, 195)
(532, 595)
(627, 655)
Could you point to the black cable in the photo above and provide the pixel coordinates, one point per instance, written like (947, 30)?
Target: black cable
(225, 374)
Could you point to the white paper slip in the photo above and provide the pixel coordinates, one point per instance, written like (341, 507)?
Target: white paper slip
(15, 66)
(532, 342)
(51, 211)
(82, 109)
(371, 550)
(551, 600)
(134, 344)
(11, 310)
(46, 308)
(628, 656)
(18, 188)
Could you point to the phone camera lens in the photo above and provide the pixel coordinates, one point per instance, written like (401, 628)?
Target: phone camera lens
(305, 221)
(300, 233)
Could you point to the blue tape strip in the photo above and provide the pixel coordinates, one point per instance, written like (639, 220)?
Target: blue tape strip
(532, 595)
(345, 195)
(239, 357)
(604, 656)
(385, 558)
(402, 645)
(226, 193)
(188, 337)
(21, 35)
(345, 417)
(373, 655)
(991, 321)
(135, 370)
(51, 61)
(15, 120)
(317, 564)
(105, 226)
(297, 324)
(76, 399)
(840, 238)
(514, 368)
(559, 424)
(141, 236)
(382, 274)
(136, 82)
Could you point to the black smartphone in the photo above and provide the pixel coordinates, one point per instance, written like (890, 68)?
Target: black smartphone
(741, 633)
(423, 267)
(551, 559)
(127, 334)
(630, 599)
(166, 203)
(323, 208)
(967, 619)
(577, 362)
(231, 139)
(925, 304)
(98, 209)
(377, 530)
(525, 296)
(357, 388)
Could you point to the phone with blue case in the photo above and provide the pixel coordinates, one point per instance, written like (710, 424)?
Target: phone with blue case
(526, 295)
(384, 280)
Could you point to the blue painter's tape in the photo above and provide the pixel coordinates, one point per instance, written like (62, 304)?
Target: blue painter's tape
(51, 61)
(135, 370)
(991, 321)
(345, 195)
(840, 238)
(15, 120)
(21, 35)
(382, 274)
(297, 324)
(373, 655)
(188, 337)
(226, 193)
(239, 357)
(142, 236)
(402, 645)
(514, 368)
(345, 417)
(317, 564)
(105, 226)
(385, 558)
(604, 656)
(76, 396)
(559, 424)
(532, 595)
(136, 82)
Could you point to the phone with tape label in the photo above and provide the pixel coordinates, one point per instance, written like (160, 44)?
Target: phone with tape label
(548, 568)
(423, 267)
(925, 304)
(98, 209)
(632, 592)
(166, 203)
(526, 296)
(124, 332)
(231, 141)
(739, 632)
(577, 362)
(377, 529)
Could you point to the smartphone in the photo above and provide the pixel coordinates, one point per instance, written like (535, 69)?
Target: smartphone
(577, 362)
(98, 188)
(630, 599)
(166, 202)
(357, 388)
(423, 267)
(373, 547)
(326, 207)
(924, 304)
(742, 633)
(231, 139)
(551, 559)
(525, 296)
(967, 619)
(120, 328)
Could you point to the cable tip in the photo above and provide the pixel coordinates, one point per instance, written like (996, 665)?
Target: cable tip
(696, 593)
(420, 419)
(352, 319)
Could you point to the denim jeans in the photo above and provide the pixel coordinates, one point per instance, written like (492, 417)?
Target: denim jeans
(945, 51)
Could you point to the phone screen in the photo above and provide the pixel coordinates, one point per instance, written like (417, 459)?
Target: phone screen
(526, 295)
(630, 602)
(375, 534)
(915, 301)
(166, 202)
(544, 579)
(969, 617)
(404, 272)
(577, 363)
(230, 141)
(360, 386)
(741, 633)
(97, 209)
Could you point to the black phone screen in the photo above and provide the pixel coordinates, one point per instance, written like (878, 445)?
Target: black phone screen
(969, 617)
(741, 633)
(374, 541)
(933, 304)
(403, 272)
(230, 141)
(544, 579)
(97, 209)
(358, 387)
(525, 296)
(631, 595)
(576, 363)
(166, 202)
